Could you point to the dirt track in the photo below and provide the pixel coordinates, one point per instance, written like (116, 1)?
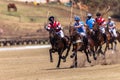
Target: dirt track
(34, 65)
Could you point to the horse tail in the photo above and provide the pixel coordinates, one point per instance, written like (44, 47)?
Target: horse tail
(118, 36)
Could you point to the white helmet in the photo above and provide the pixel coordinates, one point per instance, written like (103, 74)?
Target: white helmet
(109, 17)
(89, 14)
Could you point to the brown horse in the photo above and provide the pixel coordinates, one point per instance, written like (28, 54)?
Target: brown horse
(110, 40)
(91, 42)
(58, 45)
(11, 6)
(99, 38)
(114, 40)
(79, 43)
(118, 36)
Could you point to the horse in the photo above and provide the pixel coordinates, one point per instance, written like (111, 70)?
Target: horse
(59, 45)
(103, 38)
(118, 36)
(11, 6)
(79, 43)
(110, 39)
(99, 39)
(91, 42)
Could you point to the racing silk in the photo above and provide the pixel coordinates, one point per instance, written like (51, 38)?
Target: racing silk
(100, 20)
(81, 28)
(90, 22)
(56, 25)
(111, 24)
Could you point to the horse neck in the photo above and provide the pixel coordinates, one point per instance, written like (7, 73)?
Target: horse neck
(72, 30)
(88, 32)
(77, 36)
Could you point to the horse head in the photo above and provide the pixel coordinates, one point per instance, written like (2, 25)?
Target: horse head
(96, 26)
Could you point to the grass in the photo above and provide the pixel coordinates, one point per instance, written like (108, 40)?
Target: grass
(30, 18)
(39, 12)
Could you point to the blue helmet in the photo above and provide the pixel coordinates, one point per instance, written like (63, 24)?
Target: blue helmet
(77, 18)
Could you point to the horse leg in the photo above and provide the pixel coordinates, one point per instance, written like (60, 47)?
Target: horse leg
(64, 57)
(73, 51)
(59, 60)
(103, 53)
(51, 59)
(87, 56)
(73, 54)
(95, 58)
(76, 60)
(115, 45)
(111, 45)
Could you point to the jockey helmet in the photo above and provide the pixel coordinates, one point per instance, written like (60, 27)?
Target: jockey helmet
(109, 17)
(98, 14)
(89, 15)
(77, 18)
(51, 18)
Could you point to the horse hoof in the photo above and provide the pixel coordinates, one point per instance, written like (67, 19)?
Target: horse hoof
(51, 61)
(89, 61)
(64, 60)
(71, 56)
(63, 57)
(95, 58)
(72, 66)
(57, 67)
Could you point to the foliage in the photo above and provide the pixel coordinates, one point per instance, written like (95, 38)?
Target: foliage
(101, 4)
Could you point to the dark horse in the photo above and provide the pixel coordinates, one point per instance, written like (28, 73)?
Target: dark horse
(80, 43)
(58, 45)
(102, 38)
(110, 40)
(11, 6)
(118, 36)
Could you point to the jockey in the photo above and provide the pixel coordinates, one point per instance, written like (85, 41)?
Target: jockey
(55, 25)
(101, 22)
(79, 25)
(111, 25)
(58, 28)
(90, 21)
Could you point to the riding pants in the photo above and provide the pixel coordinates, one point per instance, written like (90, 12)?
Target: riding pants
(113, 31)
(60, 33)
(102, 29)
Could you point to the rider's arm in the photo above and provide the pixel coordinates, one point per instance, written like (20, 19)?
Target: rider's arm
(113, 24)
(104, 24)
(78, 26)
(48, 27)
(58, 26)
